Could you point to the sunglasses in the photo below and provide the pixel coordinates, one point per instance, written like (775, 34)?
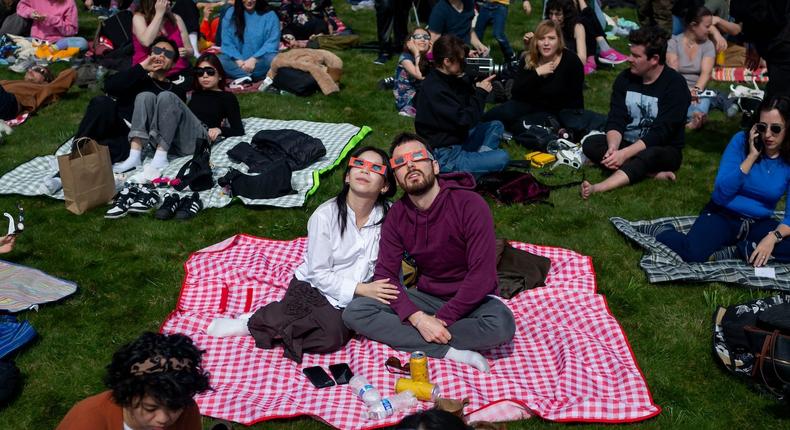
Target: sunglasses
(200, 71)
(158, 50)
(419, 155)
(394, 365)
(421, 36)
(762, 127)
(367, 165)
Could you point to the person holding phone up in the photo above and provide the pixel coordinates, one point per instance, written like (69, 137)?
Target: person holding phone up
(754, 174)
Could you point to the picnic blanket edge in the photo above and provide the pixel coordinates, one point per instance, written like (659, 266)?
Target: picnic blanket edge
(351, 144)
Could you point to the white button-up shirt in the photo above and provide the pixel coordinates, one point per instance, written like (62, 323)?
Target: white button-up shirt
(334, 264)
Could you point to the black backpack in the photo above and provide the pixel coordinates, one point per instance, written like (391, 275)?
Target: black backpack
(9, 382)
(118, 30)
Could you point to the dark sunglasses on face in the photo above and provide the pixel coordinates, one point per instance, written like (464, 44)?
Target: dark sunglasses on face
(762, 127)
(368, 165)
(158, 50)
(200, 71)
(419, 155)
(421, 36)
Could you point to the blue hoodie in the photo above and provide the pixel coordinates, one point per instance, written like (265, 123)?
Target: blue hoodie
(453, 244)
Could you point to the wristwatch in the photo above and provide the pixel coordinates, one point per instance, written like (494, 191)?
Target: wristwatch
(778, 236)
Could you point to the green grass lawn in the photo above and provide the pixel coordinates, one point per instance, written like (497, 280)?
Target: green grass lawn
(129, 271)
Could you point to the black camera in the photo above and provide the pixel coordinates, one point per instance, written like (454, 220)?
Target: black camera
(481, 68)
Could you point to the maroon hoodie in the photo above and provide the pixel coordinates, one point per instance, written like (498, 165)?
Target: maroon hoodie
(452, 243)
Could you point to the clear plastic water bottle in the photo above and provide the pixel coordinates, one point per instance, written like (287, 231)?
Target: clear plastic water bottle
(101, 72)
(362, 388)
(389, 405)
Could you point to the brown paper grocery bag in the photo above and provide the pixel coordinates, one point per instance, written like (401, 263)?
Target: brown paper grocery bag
(87, 176)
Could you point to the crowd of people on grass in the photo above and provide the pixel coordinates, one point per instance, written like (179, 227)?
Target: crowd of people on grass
(168, 100)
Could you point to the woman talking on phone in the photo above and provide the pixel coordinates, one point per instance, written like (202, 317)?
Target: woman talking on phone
(754, 174)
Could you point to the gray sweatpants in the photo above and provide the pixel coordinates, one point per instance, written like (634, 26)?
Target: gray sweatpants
(488, 326)
(166, 122)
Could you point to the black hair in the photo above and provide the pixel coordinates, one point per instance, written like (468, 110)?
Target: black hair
(451, 47)
(383, 198)
(432, 419)
(654, 39)
(569, 13)
(216, 64)
(695, 15)
(405, 137)
(169, 41)
(172, 386)
(261, 7)
(781, 104)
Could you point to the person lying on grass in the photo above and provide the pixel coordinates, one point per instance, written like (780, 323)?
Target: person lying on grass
(38, 88)
(754, 174)
(645, 130)
(342, 249)
(449, 231)
(152, 381)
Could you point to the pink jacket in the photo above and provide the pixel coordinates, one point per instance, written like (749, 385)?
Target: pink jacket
(60, 21)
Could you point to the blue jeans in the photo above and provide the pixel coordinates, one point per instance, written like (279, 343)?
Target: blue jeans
(496, 13)
(72, 42)
(233, 71)
(702, 106)
(480, 154)
(678, 26)
(717, 227)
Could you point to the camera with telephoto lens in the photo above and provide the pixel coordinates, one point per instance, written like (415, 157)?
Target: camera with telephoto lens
(481, 68)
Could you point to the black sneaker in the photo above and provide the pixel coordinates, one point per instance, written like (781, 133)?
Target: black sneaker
(168, 208)
(382, 59)
(189, 207)
(122, 202)
(145, 200)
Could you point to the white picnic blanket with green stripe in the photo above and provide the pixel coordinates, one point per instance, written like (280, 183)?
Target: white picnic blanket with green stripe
(661, 264)
(28, 179)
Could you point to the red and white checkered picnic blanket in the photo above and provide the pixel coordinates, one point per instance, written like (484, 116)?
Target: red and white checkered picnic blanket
(569, 361)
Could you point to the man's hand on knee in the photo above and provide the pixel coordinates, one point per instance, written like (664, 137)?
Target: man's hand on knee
(431, 329)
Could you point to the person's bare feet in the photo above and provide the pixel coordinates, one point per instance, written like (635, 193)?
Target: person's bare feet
(586, 190)
(697, 121)
(665, 176)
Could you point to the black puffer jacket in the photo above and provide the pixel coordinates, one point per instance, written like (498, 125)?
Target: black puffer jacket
(298, 150)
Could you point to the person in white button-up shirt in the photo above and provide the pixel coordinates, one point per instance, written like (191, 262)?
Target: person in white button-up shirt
(342, 249)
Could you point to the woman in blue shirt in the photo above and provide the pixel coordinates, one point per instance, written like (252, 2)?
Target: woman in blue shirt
(250, 39)
(754, 174)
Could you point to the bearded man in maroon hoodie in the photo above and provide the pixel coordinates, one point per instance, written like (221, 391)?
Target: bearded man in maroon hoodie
(448, 229)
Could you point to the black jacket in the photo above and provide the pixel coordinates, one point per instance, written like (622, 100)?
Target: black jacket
(298, 150)
(447, 108)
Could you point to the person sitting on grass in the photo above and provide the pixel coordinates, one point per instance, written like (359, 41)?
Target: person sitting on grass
(37, 89)
(645, 128)
(174, 127)
(582, 33)
(250, 39)
(408, 74)
(692, 54)
(449, 108)
(549, 82)
(108, 117)
(152, 381)
(342, 247)
(754, 175)
(53, 21)
(449, 231)
(153, 20)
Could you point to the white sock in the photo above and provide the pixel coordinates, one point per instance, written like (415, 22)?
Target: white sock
(160, 160)
(265, 84)
(225, 327)
(471, 358)
(603, 45)
(130, 163)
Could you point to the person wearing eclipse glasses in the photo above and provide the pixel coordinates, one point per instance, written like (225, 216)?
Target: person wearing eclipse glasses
(342, 250)
(754, 174)
(449, 231)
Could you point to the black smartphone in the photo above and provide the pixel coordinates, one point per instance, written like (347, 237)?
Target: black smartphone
(341, 372)
(317, 375)
(759, 144)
